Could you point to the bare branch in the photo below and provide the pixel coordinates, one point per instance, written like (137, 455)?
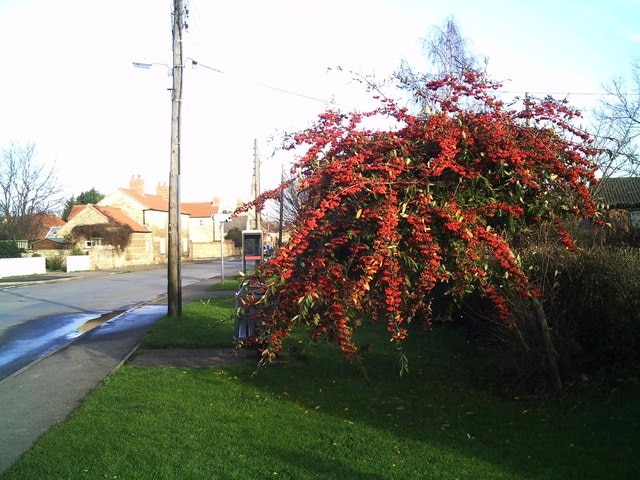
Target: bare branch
(447, 52)
(617, 127)
(27, 189)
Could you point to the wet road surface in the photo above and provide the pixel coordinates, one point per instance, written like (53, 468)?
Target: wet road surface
(38, 319)
(27, 342)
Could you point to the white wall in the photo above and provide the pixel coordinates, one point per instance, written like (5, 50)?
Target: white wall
(12, 267)
(78, 263)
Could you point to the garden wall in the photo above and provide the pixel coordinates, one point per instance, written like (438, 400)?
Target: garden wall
(78, 263)
(12, 267)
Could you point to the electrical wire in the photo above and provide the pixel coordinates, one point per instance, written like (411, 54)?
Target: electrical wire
(195, 63)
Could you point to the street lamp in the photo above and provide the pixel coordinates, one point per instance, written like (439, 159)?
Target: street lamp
(147, 66)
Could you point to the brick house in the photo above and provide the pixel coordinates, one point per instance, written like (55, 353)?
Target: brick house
(138, 251)
(201, 224)
(152, 211)
(204, 230)
(48, 225)
(619, 199)
(43, 240)
(148, 216)
(42, 232)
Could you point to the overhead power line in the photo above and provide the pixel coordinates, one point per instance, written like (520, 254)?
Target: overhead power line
(601, 94)
(195, 63)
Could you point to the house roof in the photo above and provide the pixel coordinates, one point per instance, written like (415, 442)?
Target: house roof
(113, 214)
(200, 209)
(50, 220)
(118, 216)
(44, 222)
(75, 209)
(152, 202)
(621, 192)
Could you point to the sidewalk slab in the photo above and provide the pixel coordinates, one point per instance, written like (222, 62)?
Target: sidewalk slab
(46, 392)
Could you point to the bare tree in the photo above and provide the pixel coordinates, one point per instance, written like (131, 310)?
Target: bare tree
(289, 200)
(448, 54)
(448, 51)
(27, 189)
(617, 127)
(292, 200)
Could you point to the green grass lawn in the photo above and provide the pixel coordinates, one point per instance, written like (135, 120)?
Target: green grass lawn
(319, 418)
(229, 285)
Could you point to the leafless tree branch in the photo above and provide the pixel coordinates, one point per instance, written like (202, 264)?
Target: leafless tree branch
(27, 189)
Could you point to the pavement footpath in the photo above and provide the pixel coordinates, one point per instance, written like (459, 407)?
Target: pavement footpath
(47, 391)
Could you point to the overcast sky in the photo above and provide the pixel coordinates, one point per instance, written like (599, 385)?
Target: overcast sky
(68, 84)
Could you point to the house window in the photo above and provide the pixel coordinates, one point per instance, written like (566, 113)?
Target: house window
(94, 242)
(203, 222)
(634, 218)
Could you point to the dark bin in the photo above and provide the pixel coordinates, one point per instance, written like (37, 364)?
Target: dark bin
(245, 316)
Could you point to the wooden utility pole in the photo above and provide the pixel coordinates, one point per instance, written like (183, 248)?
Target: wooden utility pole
(256, 179)
(281, 210)
(174, 279)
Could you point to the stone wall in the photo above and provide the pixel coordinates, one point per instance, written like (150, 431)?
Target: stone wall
(212, 250)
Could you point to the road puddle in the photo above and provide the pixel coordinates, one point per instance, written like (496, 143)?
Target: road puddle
(96, 322)
(35, 339)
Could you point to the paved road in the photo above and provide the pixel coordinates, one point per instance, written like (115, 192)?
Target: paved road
(99, 291)
(47, 391)
(38, 318)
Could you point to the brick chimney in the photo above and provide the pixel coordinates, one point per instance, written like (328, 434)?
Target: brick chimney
(162, 190)
(215, 204)
(137, 184)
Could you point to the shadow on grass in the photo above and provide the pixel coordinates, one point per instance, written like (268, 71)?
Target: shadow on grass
(321, 419)
(315, 465)
(442, 407)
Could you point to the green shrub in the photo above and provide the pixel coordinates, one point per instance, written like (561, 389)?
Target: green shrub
(235, 234)
(57, 263)
(10, 249)
(597, 298)
(592, 303)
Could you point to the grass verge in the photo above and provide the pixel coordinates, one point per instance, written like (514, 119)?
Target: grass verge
(229, 285)
(321, 419)
(205, 323)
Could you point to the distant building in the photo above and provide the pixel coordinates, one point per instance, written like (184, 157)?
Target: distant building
(152, 211)
(621, 196)
(147, 216)
(93, 220)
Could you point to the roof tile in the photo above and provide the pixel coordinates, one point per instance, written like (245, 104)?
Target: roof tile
(153, 202)
(200, 209)
(619, 192)
(118, 216)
